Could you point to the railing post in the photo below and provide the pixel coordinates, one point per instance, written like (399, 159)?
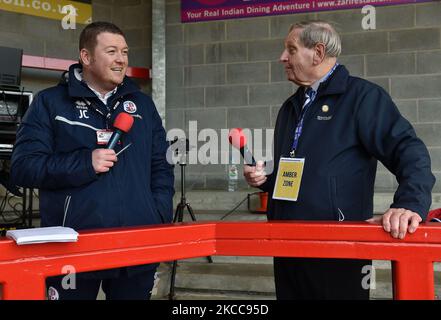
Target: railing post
(30, 287)
(413, 280)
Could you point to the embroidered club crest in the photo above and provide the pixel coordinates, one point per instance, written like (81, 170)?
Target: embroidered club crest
(129, 107)
(53, 294)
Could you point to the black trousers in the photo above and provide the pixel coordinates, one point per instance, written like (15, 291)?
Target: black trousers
(321, 279)
(122, 287)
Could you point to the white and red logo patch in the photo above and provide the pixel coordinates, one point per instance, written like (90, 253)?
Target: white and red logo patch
(52, 294)
(129, 107)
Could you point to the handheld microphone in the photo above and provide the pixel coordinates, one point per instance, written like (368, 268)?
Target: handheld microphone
(238, 139)
(122, 124)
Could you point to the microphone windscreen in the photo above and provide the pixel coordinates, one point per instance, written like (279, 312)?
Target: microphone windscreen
(237, 138)
(123, 122)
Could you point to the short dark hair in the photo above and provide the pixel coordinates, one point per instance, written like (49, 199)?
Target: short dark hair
(91, 31)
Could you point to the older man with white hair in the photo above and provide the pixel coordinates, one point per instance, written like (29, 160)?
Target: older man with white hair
(327, 140)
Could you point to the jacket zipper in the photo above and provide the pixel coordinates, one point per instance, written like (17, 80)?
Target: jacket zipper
(335, 208)
(341, 216)
(66, 208)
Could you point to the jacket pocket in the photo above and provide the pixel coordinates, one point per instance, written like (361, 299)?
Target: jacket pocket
(154, 209)
(348, 197)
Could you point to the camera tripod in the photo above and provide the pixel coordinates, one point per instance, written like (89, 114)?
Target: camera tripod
(179, 217)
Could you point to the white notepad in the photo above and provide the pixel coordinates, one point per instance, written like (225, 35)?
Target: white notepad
(42, 235)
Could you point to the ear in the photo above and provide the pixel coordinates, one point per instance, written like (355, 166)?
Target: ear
(319, 53)
(85, 57)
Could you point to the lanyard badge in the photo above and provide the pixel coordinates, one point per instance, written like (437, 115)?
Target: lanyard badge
(310, 95)
(289, 178)
(103, 136)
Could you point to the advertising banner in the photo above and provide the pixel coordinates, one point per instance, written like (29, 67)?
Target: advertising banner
(52, 9)
(205, 10)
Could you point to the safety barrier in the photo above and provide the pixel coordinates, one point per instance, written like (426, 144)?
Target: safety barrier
(23, 269)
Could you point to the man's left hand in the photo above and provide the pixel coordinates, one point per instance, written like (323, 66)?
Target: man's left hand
(398, 222)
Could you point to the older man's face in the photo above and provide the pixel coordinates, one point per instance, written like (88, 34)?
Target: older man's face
(298, 60)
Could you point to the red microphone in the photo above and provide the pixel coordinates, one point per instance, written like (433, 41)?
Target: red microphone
(238, 139)
(122, 124)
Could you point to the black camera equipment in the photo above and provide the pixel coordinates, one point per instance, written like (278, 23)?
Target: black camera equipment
(14, 102)
(10, 67)
(181, 147)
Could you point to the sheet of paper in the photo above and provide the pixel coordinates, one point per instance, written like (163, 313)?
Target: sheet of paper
(42, 235)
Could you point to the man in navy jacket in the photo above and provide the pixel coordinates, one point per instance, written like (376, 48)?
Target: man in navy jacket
(60, 149)
(339, 126)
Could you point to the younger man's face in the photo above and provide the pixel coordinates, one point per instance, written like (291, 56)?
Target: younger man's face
(108, 62)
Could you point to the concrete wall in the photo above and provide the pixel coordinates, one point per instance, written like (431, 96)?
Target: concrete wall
(134, 17)
(218, 71)
(222, 70)
(45, 37)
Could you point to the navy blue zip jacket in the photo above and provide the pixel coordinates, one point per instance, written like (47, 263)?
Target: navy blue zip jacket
(53, 152)
(341, 147)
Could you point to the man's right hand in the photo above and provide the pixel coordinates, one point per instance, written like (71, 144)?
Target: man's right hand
(103, 159)
(255, 175)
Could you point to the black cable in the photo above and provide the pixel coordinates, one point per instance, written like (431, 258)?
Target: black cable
(14, 117)
(238, 205)
(7, 106)
(19, 113)
(17, 212)
(3, 206)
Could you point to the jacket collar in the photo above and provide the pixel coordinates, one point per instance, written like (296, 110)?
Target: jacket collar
(78, 88)
(336, 84)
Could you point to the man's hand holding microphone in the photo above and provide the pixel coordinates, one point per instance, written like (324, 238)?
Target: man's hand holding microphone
(255, 175)
(254, 172)
(104, 159)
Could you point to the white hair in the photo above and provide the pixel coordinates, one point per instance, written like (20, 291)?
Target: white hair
(317, 31)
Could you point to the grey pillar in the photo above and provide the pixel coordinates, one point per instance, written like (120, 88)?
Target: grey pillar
(158, 56)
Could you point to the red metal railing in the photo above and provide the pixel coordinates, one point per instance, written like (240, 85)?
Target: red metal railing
(23, 269)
